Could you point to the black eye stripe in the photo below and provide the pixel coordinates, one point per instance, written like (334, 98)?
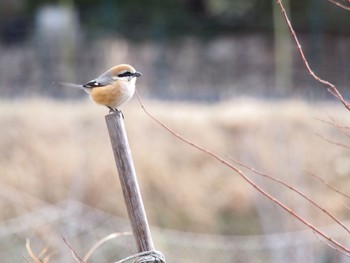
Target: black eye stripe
(125, 74)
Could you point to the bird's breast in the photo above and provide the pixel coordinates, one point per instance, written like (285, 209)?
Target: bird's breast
(113, 95)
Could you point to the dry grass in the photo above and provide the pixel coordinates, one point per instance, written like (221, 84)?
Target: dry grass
(58, 150)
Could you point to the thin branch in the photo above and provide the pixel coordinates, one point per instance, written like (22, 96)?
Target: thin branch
(292, 189)
(75, 255)
(346, 146)
(43, 252)
(29, 250)
(331, 87)
(331, 246)
(342, 128)
(327, 184)
(244, 177)
(101, 241)
(346, 206)
(340, 5)
(334, 123)
(27, 260)
(40, 258)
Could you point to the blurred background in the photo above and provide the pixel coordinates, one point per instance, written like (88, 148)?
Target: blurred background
(223, 73)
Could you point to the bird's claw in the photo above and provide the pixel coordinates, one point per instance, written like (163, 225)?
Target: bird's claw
(115, 110)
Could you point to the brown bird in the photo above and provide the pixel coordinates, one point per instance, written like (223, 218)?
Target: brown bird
(113, 88)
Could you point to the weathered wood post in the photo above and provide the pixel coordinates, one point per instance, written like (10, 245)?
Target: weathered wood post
(128, 181)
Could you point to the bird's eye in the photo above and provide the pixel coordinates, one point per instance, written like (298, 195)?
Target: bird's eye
(125, 74)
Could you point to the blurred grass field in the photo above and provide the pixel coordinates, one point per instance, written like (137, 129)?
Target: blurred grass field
(56, 150)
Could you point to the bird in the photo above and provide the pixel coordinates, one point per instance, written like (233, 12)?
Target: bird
(112, 88)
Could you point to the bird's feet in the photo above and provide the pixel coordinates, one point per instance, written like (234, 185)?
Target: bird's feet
(115, 110)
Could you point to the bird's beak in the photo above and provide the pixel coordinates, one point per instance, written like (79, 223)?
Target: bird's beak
(137, 74)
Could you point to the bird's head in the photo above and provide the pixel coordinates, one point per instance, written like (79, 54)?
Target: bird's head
(124, 72)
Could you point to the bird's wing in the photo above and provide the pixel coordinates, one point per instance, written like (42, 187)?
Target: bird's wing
(103, 80)
(95, 83)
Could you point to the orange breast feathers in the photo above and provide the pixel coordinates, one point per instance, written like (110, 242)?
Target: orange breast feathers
(112, 95)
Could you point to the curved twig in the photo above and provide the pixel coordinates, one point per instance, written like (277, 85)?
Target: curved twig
(340, 5)
(331, 87)
(220, 159)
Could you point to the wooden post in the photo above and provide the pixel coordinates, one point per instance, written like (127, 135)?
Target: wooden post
(128, 181)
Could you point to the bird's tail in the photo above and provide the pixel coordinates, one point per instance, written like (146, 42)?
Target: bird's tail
(68, 84)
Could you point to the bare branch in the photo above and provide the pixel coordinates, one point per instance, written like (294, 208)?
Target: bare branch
(342, 128)
(331, 87)
(334, 123)
(340, 5)
(43, 252)
(29, 250)
(347, 207)
(27, 260)
(244, 177)
(75, 255)
(103, 240)
(292, 189)
(40, 258)
(331, 246)
(346, 146)
(327, 184)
